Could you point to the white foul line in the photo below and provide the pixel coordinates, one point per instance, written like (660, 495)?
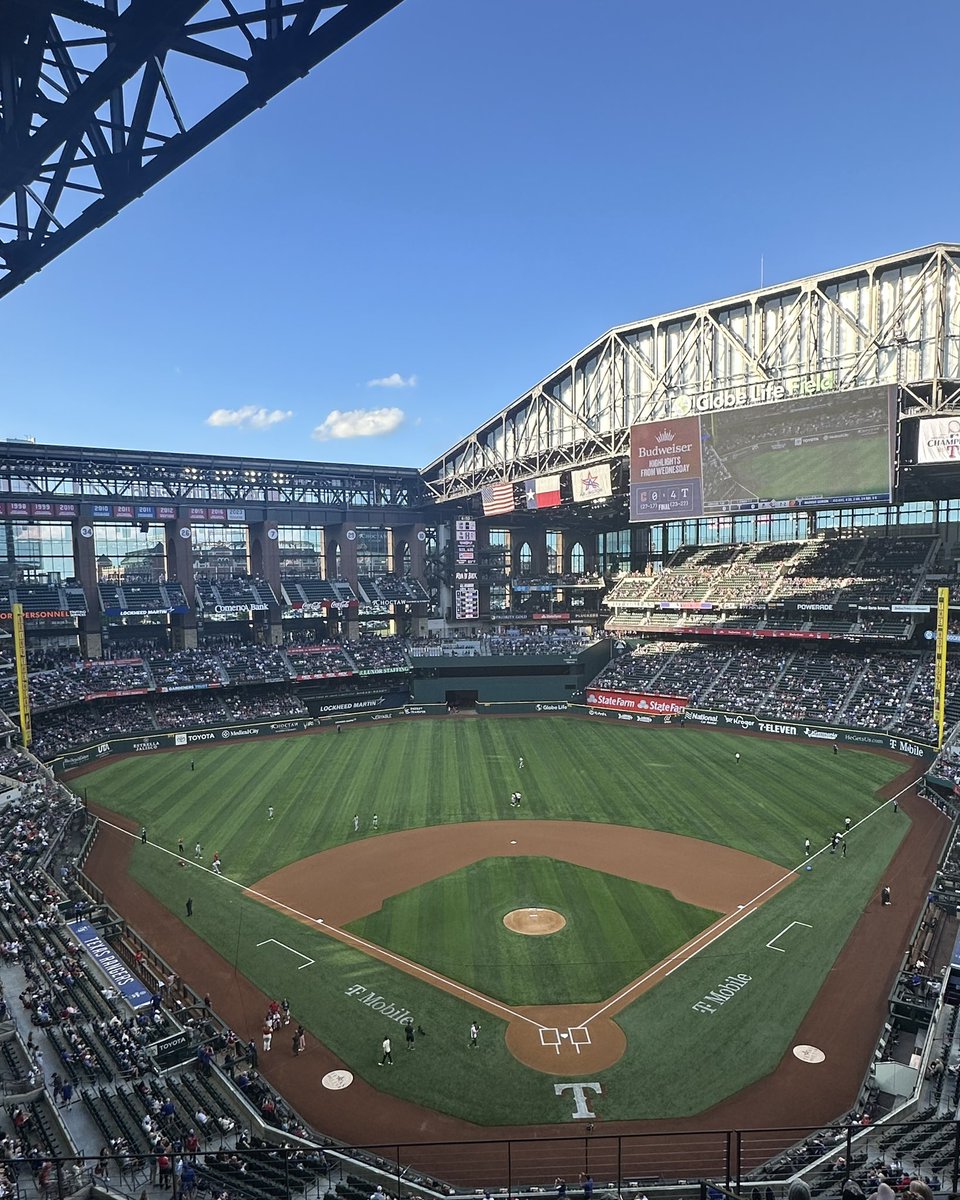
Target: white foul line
(404, 964)
(283, 945)
(779, 949)
(719, 929)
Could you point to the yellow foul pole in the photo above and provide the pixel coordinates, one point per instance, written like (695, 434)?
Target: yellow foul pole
(940, 661)
(23, 692)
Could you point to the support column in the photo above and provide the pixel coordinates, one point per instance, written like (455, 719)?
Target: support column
(264, 541)
(179, 539)
(85, 566)
(414, 538)
(340, 552)
(340, 562)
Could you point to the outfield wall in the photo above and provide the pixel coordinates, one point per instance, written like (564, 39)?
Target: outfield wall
(394, 706)
(808, 731)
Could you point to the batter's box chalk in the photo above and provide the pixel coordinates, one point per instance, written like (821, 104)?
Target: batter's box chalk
(550, 1037)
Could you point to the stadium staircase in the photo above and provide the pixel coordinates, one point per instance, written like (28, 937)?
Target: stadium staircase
(851, 692)
(776, 683)
(715, 683)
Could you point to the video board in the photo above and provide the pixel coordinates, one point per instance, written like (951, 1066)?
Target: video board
(806, 452)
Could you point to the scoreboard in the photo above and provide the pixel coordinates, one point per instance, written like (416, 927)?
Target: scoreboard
(804, 452)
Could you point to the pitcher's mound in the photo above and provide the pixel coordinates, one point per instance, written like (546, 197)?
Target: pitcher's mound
(534, 922)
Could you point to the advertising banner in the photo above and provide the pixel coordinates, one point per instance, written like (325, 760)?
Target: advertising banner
(666, 471)
(806, 731)
(133, 990)
(637, 702)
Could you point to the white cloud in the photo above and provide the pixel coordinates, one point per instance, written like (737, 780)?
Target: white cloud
(396, 380)
(248, 417)
(359, 422)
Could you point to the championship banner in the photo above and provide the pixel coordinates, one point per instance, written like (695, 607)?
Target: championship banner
(938, 440)
(637, 702)
(940, 660)
(592, 483)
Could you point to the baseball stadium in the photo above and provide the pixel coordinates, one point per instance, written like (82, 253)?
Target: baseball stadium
(576, 810)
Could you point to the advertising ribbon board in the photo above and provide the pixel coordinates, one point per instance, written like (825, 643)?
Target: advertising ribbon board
(133, 991)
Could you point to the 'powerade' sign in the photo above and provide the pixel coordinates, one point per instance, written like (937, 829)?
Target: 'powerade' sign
(136, 994)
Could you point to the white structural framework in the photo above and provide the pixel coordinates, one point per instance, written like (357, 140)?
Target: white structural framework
(893, 321)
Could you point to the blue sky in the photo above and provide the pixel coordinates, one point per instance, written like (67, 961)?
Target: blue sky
(464, 196)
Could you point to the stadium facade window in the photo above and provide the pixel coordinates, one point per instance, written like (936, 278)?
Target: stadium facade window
(578, 560)
(301, 552)
(917, 513)
(525, 560)
(374, 556)
(554, 552)
(673, 538)
(614, 550)
(130, 553)
(32, 549)
(219, 552)
(499, 599)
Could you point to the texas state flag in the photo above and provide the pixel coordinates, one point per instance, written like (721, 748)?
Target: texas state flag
(543, 492)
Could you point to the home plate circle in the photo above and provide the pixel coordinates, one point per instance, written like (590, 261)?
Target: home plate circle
(336, 1081)
(809, 1054)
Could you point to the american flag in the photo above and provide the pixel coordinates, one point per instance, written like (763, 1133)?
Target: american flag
(497, 499)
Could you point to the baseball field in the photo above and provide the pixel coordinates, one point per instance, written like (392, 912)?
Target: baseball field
(853, 466)
(644, 921)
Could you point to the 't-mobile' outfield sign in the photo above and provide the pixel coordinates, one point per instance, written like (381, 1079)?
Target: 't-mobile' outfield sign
(637, 702)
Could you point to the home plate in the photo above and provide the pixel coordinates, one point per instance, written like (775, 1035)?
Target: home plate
(809, 1054)
(513, 841)
(564, 1035)
(336, 1081)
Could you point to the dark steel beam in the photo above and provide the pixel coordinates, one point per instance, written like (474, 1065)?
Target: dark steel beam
(52, 104)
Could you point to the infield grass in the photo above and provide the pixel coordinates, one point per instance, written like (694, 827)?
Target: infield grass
(616, 929)
(679, 1060)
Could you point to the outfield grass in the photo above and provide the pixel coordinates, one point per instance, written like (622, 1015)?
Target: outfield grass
(616, 929)
(423, 773)
(858, 467)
